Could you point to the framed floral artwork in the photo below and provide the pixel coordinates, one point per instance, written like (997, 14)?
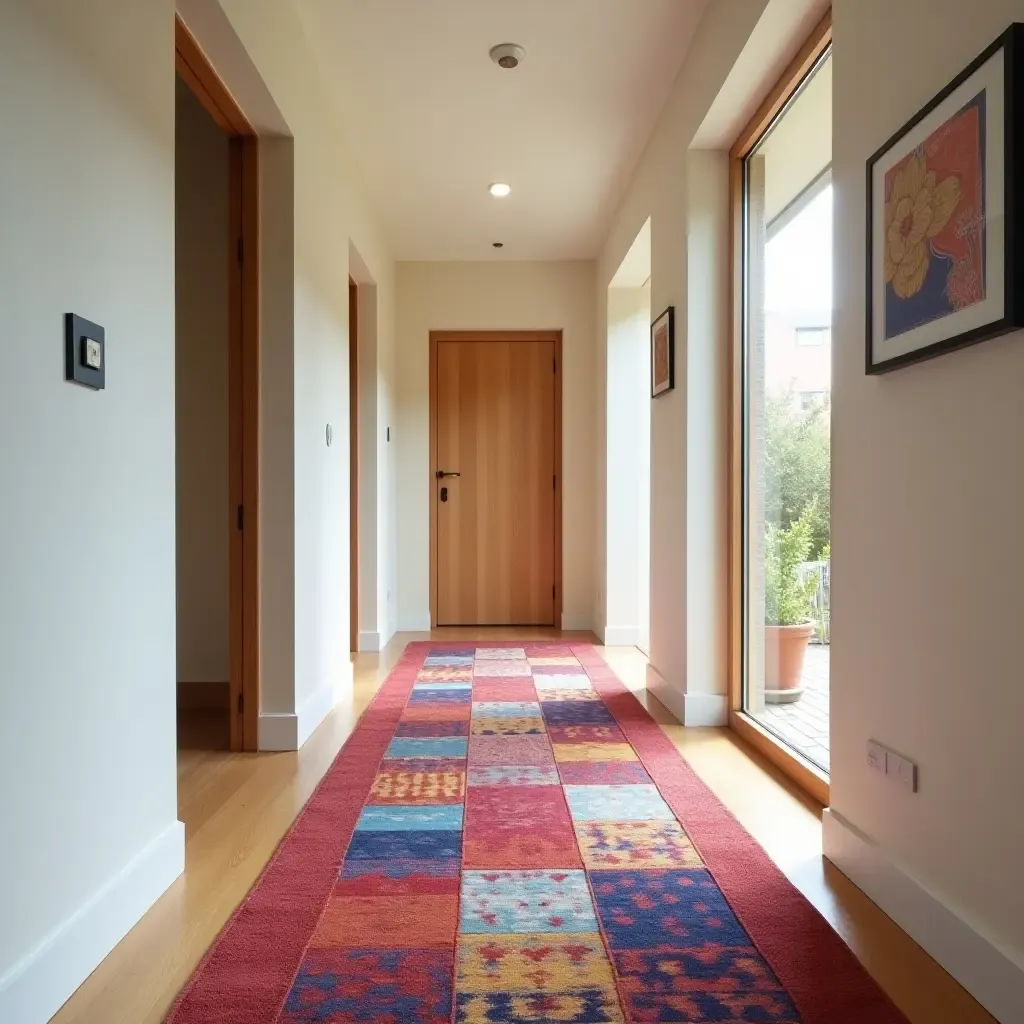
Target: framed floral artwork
(663, 355)
(945, 199)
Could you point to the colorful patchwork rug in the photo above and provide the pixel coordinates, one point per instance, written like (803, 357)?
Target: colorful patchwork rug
(509, 838)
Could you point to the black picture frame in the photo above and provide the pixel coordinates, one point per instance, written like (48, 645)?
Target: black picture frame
(666, 319)
(77, 330)
(1011, 42)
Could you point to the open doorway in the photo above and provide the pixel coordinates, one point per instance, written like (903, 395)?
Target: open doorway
(216, 410)
(628, 492)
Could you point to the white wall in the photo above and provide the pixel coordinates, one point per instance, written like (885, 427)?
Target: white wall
(87, 521)
(927, 545)
(688, 440)
(628, 505)
(494, 296)
(201, 392)
(87, 591)
(306, 544)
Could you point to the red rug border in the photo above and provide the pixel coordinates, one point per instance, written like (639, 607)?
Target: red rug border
(800, 946)
(220, 963)
(797, 942)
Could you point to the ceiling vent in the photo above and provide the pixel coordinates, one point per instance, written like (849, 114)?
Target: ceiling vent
(507, 55)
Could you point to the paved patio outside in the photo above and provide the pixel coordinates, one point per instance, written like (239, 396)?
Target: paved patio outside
(804, 723)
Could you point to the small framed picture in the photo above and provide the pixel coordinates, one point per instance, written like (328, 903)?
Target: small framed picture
(663, 353)
(945, 201)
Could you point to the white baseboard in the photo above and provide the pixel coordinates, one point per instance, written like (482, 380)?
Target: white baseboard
(622, 636)
(36, 987)
(368, 641)
(692, 709)
(706, 709)
(289, 730)
(990, 973)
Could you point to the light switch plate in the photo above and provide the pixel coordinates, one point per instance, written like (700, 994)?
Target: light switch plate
(903, 770)
(876, 756)
(93, 355)
(84, 352)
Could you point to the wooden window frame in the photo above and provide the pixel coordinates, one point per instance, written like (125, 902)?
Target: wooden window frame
(437, 337)
(802, 771)
(243, 512)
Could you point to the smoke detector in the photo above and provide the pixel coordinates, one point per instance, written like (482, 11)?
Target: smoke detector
(507, 55)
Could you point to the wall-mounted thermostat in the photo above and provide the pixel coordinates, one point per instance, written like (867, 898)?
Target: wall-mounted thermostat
(84, 352)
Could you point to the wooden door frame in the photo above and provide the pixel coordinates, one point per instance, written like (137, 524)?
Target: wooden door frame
(353, 429)
(806, 774)
(243, 512)
(437, 337)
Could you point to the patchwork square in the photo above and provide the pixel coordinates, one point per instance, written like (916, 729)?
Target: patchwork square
(617, 803)
(547, 649)
(603, 773)
(513, 775)
(445, 674)
(403, 787)
(396, 818)
(448, 660)
(485, 669)
(421, 729)
(666, 910)
(508, 726)
(575, 712)
(557, 667)
(394, 922)
(720, 969)
(561, 681)
(599, 733)
(545, 962)
(411, 844)
(440, 695)
(431, 746)
(636, 844)
(503, 689)
(517, 750)
(767, 1007)
(444, 712)
(527, 902)
(401, 868)
(409, 985)
(511, 827)
(500, 654)
(594, 752)
(437, 684)
(578, 1006)
(508, 708)
(549, 694)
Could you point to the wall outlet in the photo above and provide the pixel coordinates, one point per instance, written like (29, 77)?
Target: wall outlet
(901, 769)
(889, 763)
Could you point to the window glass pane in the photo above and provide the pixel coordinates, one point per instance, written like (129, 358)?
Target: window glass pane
(787, 414)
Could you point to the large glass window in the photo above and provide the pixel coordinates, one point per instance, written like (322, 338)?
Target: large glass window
(787, 381)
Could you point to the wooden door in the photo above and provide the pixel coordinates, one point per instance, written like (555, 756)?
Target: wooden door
(495, 427)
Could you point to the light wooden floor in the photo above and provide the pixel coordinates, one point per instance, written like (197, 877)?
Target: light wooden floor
(236, 807)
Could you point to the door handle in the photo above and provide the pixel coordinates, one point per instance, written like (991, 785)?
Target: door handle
(444, 493)
(442, 473)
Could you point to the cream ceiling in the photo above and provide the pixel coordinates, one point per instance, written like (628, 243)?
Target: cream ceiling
(431, 121)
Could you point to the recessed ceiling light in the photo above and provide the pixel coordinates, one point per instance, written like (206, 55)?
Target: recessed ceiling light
(497, 245)
(500, 189)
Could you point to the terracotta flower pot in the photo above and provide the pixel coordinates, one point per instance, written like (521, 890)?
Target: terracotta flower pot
(784, 650)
